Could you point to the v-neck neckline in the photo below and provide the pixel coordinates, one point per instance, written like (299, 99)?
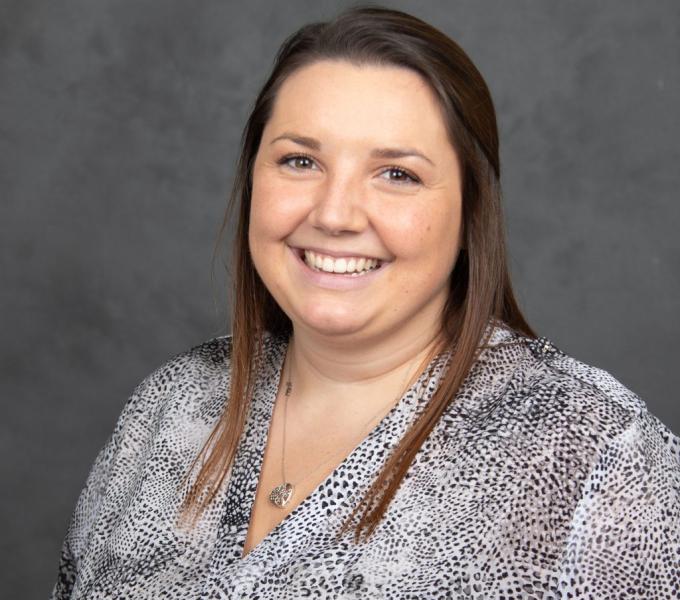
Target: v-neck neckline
(250, 457)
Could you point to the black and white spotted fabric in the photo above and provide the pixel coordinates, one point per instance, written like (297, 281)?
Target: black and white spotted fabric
(546, 478)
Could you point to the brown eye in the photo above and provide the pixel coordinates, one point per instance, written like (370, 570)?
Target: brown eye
(401, 176)
(297, 161)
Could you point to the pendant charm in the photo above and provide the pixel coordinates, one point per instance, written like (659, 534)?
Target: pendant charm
(281, 495)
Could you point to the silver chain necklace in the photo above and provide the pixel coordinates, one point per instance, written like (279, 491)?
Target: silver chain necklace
(281, 495)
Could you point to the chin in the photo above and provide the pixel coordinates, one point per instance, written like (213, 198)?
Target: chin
(332, 326)
(331, 323)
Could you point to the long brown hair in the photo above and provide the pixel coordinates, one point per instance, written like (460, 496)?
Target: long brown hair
(480, 289)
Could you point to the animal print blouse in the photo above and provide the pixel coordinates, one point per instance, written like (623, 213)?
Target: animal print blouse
(546, 478)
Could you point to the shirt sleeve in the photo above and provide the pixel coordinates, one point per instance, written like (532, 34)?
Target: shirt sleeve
(84, 515)
(132, 428)
(624, 540)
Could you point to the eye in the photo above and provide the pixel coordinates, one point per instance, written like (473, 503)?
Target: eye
(304, 162)
(403, 177)
(296, 161)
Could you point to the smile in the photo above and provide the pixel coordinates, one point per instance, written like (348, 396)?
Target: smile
(354, 266)
(361, 276)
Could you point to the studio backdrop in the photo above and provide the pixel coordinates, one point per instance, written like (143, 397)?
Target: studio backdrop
(119, 129)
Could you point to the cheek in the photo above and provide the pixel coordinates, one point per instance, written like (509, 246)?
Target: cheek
(271, 208)
(263, 222)
(428, 234)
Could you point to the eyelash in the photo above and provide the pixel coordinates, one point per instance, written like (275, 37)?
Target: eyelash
(414, 179)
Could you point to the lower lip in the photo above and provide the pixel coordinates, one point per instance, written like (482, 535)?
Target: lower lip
(338, 281)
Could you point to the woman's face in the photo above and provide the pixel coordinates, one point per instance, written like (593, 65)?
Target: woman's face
(355, 168)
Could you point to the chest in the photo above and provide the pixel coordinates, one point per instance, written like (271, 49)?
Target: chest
(303, 460)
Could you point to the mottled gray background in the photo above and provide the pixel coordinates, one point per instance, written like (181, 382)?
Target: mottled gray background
(119, 123)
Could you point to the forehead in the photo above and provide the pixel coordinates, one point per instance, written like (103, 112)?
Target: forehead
(339, 100)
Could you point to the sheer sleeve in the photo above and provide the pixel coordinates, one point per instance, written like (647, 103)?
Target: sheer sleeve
(84, 516)
(624, 540)
(119, 452)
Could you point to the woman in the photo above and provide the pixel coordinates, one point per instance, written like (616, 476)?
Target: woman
(382, 422)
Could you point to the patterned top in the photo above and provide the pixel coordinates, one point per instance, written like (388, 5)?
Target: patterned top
(545, 478)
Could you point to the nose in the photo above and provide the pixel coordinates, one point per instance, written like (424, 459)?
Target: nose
(338, 205)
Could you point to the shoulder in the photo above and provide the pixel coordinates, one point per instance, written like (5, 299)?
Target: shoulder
(553, 365)
(590, 396)
(547, 399)
(184, 376)
(603, 407)
(201, 360)
(198, 375)
(550, 423)
(204, 360)
(541, 451)
(213, 357)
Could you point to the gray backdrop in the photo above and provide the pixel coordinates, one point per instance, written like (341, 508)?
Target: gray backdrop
(119, 124)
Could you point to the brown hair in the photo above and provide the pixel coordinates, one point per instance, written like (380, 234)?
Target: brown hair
(480, 289)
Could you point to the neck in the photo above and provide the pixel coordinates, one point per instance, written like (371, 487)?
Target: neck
(333, 373)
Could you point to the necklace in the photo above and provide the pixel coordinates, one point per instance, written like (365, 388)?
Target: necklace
(281, 495)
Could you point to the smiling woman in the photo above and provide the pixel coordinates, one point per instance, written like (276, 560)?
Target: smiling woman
(382, 421)
(343, 200)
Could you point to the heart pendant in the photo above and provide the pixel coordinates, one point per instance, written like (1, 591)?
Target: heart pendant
(281, 494)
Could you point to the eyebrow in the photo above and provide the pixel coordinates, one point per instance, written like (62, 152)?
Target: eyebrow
(314, 144)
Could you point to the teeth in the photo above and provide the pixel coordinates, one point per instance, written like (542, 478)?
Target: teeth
(353, 265)
(327, 265)
(340, 265)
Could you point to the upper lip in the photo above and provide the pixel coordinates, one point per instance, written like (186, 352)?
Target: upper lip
(336, 253)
